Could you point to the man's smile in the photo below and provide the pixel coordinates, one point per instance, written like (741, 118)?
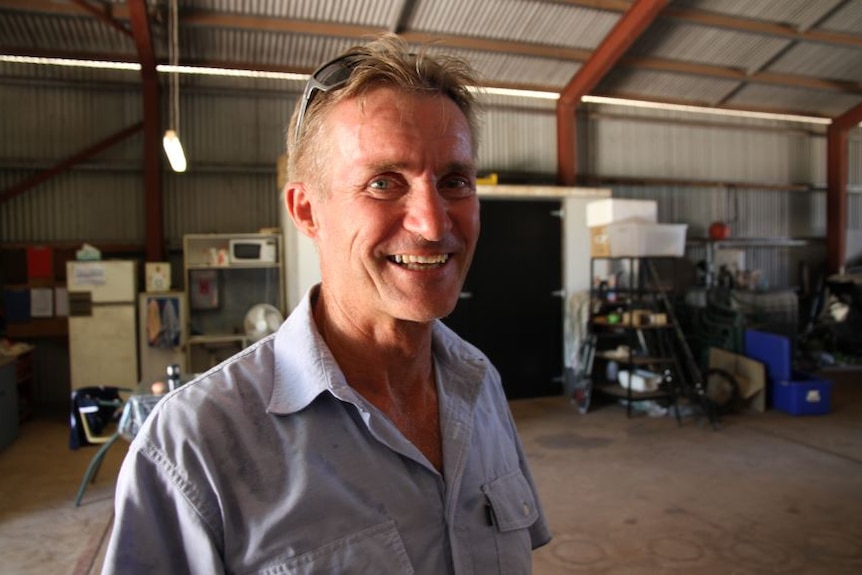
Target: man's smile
(414, 262)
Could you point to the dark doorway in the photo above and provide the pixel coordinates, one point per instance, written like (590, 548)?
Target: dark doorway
(510, 307)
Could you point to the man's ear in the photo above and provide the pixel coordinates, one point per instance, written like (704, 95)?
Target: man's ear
(299, 206)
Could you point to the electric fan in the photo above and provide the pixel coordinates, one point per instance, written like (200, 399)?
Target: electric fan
(261, 320)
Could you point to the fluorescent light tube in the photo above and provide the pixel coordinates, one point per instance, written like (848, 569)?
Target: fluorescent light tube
(174, 151)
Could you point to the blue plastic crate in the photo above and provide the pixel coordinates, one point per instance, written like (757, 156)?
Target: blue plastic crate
(794, 392)
(803, 395)
(772, 350)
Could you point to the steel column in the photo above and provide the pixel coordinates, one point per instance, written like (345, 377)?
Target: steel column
(154, 225)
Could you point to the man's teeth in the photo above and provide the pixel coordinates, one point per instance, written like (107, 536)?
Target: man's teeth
(411, 261)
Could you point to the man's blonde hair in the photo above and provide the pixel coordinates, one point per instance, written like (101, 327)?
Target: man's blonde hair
(384, 62)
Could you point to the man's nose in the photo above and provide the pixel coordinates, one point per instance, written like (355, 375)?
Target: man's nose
(427, 212)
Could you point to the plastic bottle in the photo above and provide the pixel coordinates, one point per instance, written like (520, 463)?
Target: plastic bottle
(173, 373)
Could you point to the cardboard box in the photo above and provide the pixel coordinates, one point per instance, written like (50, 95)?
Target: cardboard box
(608, 211)
(646, 239)
(749, 373)
(803, 395)
(601, 213)
(599, 245)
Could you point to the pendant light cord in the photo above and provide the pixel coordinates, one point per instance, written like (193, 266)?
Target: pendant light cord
(173, 58)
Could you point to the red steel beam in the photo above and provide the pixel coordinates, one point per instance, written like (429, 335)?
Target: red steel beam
(69, 163)
(628, 28)
(849, 119)
(154, 225)
(837, 164)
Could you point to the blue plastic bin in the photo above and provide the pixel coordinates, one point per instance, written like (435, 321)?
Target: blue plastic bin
(804, 394)
(793, 392)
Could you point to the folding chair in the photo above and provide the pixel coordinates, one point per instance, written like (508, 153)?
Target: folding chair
(95, 412)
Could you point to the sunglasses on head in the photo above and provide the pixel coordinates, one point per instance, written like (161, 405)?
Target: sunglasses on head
(330, 76)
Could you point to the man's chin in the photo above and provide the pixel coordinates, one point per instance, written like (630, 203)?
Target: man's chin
(426, 313)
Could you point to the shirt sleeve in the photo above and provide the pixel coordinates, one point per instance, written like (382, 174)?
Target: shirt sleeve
(156, 527)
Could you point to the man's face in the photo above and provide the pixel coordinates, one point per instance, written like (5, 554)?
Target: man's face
(397, 219)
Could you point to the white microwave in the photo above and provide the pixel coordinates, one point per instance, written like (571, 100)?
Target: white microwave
(253, 250)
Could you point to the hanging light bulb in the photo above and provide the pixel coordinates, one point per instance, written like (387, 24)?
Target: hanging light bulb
(171, 141)
(174, 151)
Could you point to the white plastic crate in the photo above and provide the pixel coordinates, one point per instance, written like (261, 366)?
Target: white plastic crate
(610, 210)
(645, 239)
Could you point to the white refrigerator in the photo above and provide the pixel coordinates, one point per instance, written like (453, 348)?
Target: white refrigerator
(103, 348)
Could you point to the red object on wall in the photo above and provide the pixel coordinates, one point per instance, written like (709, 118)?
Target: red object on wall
(40, 264)
(719, 231)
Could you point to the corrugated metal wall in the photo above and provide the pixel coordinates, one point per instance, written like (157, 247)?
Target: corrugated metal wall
(641, 147)
(518, 135)
(233, 131)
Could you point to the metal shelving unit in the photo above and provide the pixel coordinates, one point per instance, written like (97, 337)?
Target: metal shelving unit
(629, 313)
(220, 290)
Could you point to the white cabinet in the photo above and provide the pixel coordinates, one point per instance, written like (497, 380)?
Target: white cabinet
(103, 345)
(225, 275)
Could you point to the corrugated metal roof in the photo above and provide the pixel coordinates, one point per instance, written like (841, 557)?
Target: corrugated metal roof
(268, 49)
(517, 70)
(368, 13)
(519, 43)
(796, 13)
(552, 24)
(697, 43)
(763, 96)
(667, 86)
(47, 33)
(848, 18)
(822, 61)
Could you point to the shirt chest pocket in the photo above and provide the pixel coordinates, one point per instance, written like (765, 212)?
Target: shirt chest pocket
(378, 549)
(512, 509)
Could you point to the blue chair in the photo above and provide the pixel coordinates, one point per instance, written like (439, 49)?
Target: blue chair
(93, 421)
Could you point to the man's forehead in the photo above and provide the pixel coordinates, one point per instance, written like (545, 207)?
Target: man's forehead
(394, 110)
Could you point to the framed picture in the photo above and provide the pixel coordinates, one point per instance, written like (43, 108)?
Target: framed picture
(204, 289)
(163, 321)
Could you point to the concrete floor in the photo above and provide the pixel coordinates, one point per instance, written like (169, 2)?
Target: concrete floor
(767, 493)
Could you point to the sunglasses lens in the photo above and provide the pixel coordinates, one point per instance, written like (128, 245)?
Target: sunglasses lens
(328, 77)
(334, 74)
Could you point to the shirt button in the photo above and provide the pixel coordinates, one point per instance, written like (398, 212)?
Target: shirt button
(526, 509)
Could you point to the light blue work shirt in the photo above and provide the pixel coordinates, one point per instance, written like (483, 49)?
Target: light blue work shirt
(271, 463)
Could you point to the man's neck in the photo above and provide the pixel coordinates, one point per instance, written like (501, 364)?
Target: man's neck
(392, 367)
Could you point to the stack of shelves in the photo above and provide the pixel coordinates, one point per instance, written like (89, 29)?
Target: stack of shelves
(632, 333)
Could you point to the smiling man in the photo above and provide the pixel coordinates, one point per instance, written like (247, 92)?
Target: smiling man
(364, 436)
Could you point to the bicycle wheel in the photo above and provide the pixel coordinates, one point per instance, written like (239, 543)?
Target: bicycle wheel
(722, 391)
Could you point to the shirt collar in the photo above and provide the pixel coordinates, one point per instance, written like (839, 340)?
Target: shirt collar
(305, 368)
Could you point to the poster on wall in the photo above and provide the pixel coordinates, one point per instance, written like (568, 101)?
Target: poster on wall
(163, 321)
(203, 289)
